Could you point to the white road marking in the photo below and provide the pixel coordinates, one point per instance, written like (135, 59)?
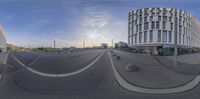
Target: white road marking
(5, 58)
(138, 89)
(58, 75)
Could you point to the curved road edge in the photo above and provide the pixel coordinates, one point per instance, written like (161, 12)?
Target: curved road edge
(59, 75)
(123, 83)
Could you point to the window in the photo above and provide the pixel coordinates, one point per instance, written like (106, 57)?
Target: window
(164, 25)
(146, 26)
(140, 27)
(151, 36)
(132, 39)
(136, 28)
(157, 13)
(164, 36)
(140, 37)
(157, 25)
(171, 26)
(179, 38)
(183, 39)
(152, 25)
(164, 18)
(159, 18)
(159, 36)
(136, 21)
(170, 19)
(151, 18)
(170, 36)
(136, 38)
(146, 14)
(153, 14)
(140, 21)
(129, 31)
(180, 28)
(145, 19)
(145, 36)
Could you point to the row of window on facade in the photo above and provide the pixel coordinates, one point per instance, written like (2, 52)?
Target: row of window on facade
(163, 18)
(162, 36)
(146, 13)
(156, 25)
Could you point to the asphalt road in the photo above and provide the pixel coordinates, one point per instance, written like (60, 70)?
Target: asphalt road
(96, 82)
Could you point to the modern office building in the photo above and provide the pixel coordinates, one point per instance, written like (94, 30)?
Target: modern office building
(121, 44)
(154, 30)
(3, 44)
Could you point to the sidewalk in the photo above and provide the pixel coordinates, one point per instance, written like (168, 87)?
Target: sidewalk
(189, 58)
(3, 57)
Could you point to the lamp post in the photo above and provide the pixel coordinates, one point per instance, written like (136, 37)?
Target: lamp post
(175, 42)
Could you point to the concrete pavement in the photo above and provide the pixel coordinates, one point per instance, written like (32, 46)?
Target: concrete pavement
(97, 82)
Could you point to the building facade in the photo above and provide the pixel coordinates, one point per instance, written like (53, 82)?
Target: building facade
(121, 44)
(153, 30)
(3, 45)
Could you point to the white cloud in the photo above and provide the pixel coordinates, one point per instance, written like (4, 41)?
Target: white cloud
(101, 26)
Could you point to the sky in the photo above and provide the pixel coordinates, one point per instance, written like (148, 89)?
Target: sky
(70, 22)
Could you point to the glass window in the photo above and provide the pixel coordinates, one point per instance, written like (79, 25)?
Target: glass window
(146, 26)
(145, 19)
(164, 36)
(180, 28)
(136, 38)
(179, 38)
(164, 25)
(151, 18)
(140, 21)
(164, 18)
(140, 37)
(170, 36)
(152, 25)
(136, 28)
(159, 36)
(140, 27)
(151, 36)
(132, 39)
(171, 26)
(170, 19)
(145, 36)
(146, 14)
(159, 18)
(153, 14)
(157, 25)
(183, 39)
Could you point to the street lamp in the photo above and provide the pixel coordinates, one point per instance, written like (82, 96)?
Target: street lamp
(175, 41)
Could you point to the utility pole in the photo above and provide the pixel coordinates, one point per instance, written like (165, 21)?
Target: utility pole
(175, 42)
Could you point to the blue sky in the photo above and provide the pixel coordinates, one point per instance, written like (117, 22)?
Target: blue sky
(70, 22)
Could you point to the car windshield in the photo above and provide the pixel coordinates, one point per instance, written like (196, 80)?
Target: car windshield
(99, 49)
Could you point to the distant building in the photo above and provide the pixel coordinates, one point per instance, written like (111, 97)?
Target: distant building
(122, 45)
(104, 45)
(153, 30)
(2, 40)
(11, 47)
